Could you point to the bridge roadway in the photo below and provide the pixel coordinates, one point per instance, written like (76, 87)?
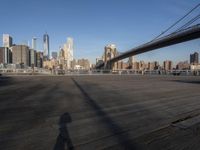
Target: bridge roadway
(99, 112)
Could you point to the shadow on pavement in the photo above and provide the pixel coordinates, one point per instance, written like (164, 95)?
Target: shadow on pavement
(5, 81)
(187, 81)
(116, 130)
(63, 138)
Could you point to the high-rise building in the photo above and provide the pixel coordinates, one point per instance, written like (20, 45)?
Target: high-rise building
(39, 59)
(46, 46)
(131, 61)
(68, 52)
(1, 55)
(61, 57)
(5, 55)
(34, 43)
(32, 57)
(194, 58)
(167, 65)
(7, 40)
(20, 55)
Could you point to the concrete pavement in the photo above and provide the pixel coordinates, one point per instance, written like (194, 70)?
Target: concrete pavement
(99, 112)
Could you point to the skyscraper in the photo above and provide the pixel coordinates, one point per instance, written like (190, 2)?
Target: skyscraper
(68, 52)
(34, 44)
(131, 61)
(194, 58)
(7, 40)
(32, 58)
(46, 46)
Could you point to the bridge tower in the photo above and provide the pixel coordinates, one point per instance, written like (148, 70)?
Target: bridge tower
(109, 53)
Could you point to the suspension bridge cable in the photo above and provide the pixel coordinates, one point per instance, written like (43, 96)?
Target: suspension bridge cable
(188, 23)
(177, 21)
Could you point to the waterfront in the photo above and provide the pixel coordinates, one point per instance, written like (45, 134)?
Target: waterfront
(99, 112)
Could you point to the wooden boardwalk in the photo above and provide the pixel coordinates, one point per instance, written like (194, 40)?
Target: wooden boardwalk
(99, 112)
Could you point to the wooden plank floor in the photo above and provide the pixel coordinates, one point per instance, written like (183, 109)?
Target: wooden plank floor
(99, 112)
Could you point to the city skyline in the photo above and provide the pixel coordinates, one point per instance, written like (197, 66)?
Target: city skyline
(68, 48)
(94, 27)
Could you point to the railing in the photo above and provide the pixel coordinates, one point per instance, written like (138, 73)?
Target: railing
(128, 72)
(100, 72)
(148, 72)
(25, 71)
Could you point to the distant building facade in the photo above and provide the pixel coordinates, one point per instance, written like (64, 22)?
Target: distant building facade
(167, 65)
(5, 55)
(131, 61)
(61, 58)
(1, 55)
(142, 65)
(136, 66)
(34, 43)
(121, 65)
(54, 55)
(153, 65)
(50, 64)
(194, 58)
(84, 63)
(20, 55)
(7, 40)
(183, 65)
(39, 59)
(33, 60)
(99, 61)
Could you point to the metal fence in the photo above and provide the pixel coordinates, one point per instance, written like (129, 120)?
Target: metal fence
(128, 72)
(25, 71)
(149, 72)
(42, 71)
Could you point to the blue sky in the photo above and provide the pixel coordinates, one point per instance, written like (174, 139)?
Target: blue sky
(96, 23)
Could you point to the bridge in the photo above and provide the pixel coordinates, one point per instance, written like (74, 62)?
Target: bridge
(187, 34)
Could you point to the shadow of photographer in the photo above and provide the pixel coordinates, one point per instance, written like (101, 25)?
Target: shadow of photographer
(63, 138)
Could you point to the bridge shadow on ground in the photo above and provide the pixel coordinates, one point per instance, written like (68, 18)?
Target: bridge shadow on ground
(115, 129)
(63, 139)
(187, 81)
(4, 81)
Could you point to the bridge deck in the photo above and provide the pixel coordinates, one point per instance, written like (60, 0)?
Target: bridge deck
(99, 112)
